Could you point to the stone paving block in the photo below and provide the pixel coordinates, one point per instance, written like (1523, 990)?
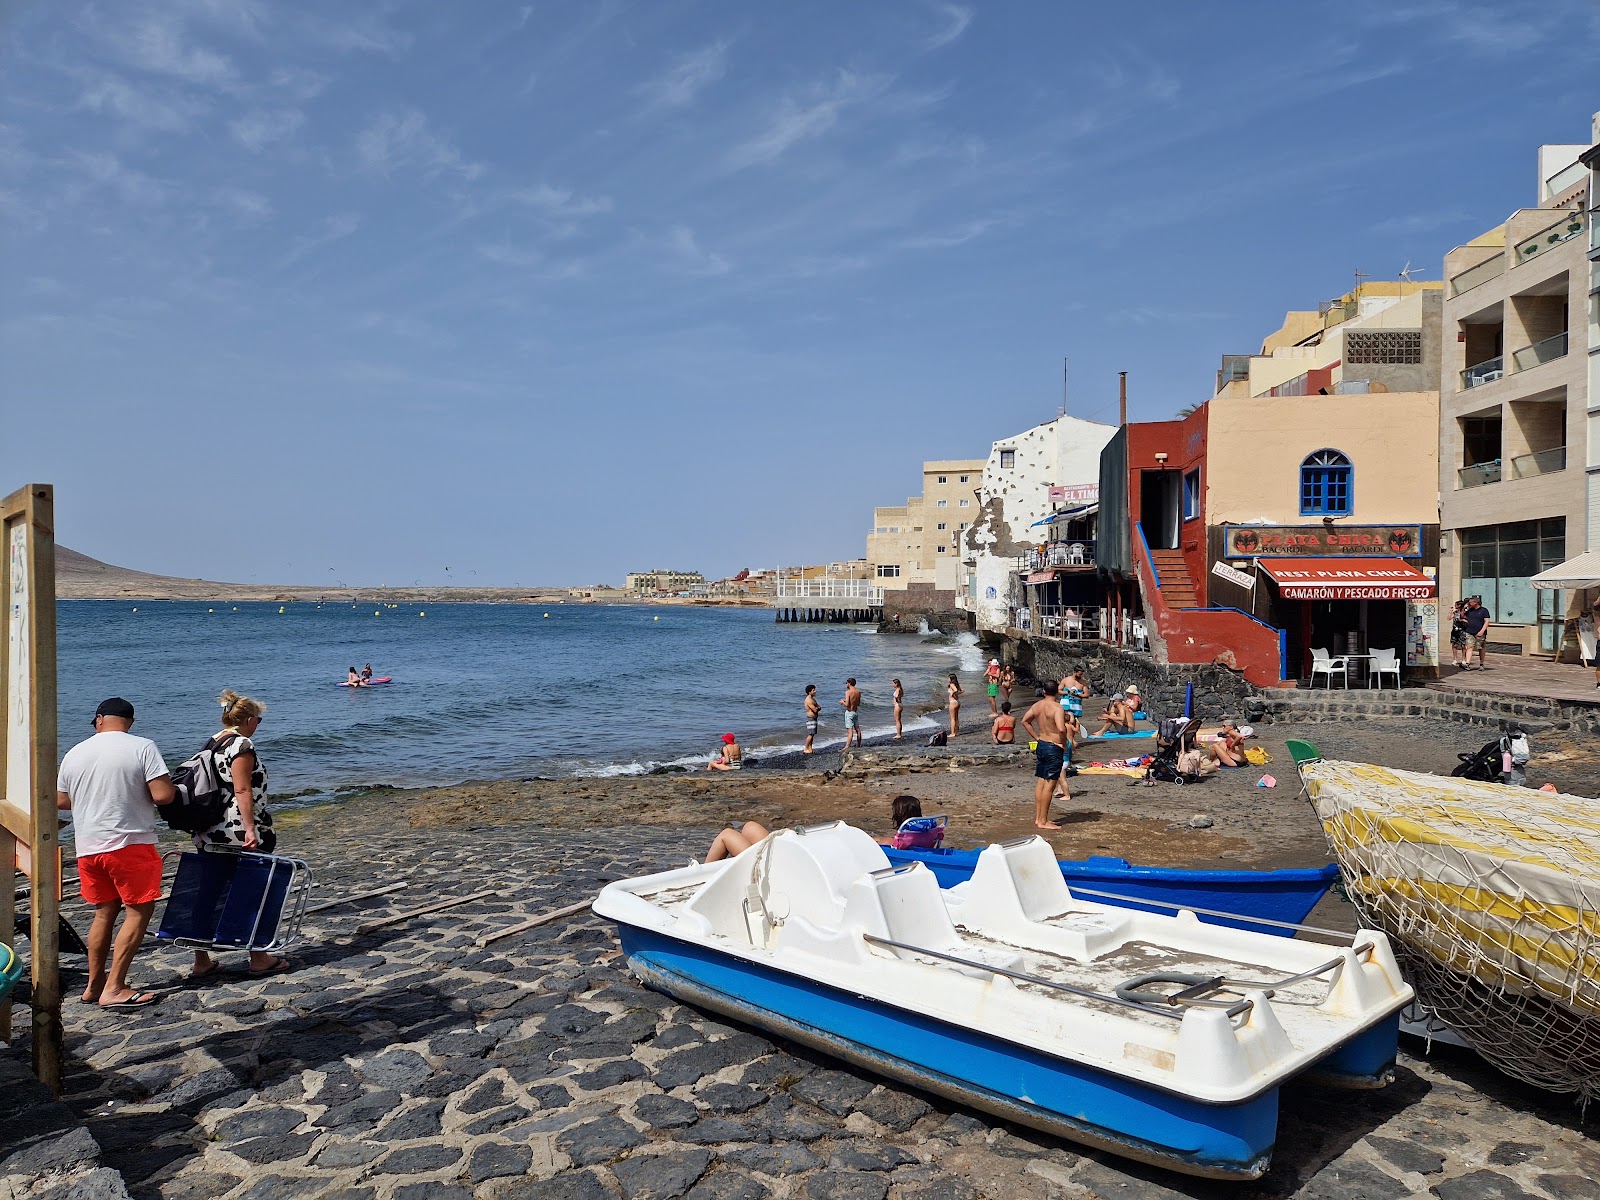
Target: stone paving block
(1570, 1187)
(569, 1185)
(950, 1187)
(350, 1193)
(277, 1150)
(610, 1075)
(563, 1119)
(416, 1160)
(846, 1185)
(832, 1091)
(961, 1127)
(492, 1160)
(598, 1141)
(660, 1176)
(347, 1154)
(869, 1156)
(715, 1131)
(635, 1025)
(591, 1049)
(1407, 1155)
(728, 1185)
(894, 1110)
(676, 1036)
(257, 1122)
(786, 1158)
(199, 1185)
(102, 1183)
(1343, 1180)
(1509, 1154)
(781, 1070)
(665, 1112)
(696, 1062)
(498, 1119)
(568, 1019)
(431, 1191)
(54, 1150)
(285, 1187)
(491, 1093)
(1482, 1185)
(730, 1097)
(423, 1121)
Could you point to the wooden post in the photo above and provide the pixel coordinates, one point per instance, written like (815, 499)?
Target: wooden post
(28, 756)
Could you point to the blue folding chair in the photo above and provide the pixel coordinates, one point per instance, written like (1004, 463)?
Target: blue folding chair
(236, 900)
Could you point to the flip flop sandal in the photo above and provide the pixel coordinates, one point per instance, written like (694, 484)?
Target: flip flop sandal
(278, 967)
(142, 1000)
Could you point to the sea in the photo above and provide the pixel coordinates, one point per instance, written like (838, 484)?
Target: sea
(487, 691)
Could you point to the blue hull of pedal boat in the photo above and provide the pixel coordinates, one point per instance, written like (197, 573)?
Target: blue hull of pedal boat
(1286, 895)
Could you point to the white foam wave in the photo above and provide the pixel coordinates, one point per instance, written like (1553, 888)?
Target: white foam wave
(964, 647)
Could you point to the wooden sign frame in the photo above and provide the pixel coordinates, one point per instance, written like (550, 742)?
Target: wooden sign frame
(29, 823)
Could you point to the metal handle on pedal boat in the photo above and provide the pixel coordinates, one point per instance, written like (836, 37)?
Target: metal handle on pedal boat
(1340, 934)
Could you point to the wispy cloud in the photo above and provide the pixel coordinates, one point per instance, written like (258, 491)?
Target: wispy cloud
(691, 256)
(809, 115)
(367, 35)
(159, 44)
(263, 127)
(531, 261)
(1416, 223)
(112, 96)
(404, 139)
(954, 21)
(245, 206)
(957, 236)
(687, 77)
(333, 229)
(107, 172)
(967, 150)
(561, 203)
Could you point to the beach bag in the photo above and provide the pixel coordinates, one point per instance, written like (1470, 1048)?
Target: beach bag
(1517, 748)
(939, 738)
(1189, 762)
(200, 798)
(1256, 756)
(1170, 728)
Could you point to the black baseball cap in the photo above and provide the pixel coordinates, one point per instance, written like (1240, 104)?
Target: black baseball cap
(114, 707)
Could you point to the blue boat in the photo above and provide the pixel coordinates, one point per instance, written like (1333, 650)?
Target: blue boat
(1285, 896)
(1152, 1036)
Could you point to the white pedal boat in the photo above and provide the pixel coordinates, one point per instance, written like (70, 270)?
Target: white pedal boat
(1156, 1037)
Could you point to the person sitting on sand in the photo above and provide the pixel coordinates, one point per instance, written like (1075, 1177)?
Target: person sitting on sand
(1228, 749)
(903, 809)
(730, 758)
(733, 841)
(355, 679)
(1118, 717)
(1005, 726)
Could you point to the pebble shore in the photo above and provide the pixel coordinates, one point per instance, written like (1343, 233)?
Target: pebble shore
(409, 1063)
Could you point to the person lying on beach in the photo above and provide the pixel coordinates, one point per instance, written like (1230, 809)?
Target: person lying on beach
(1005, 726)
(1228, 749)
(355, 679)
(903, 809)
(730, 758)
(733, 841)
(1118, 717)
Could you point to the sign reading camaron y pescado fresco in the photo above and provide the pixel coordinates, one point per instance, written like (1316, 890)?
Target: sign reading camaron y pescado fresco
(1317, 541)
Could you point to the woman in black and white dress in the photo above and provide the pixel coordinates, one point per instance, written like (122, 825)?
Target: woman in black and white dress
(246, 821)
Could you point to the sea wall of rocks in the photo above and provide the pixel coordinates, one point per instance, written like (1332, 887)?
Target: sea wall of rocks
(1217, 690)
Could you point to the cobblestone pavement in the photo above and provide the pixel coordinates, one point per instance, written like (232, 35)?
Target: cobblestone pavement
(411, 1064)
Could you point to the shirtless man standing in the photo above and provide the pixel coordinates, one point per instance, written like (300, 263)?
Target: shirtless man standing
(852, 714)
(813, 711)
(1047, 726)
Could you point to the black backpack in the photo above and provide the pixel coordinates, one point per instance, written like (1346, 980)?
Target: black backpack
(939, 738)
(200, 799)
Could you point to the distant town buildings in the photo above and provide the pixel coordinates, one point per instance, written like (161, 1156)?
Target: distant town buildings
(664, 582)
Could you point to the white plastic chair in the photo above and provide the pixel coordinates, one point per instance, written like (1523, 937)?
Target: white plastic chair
(1077, 553)
(1384, 662)
(1322, 664)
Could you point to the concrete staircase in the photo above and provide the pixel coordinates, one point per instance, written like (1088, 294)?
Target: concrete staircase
(1177, 589)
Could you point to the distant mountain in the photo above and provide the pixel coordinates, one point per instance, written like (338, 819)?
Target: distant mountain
(79, 577)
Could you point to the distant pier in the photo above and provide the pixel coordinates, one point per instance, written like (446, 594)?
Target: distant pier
(826, 600)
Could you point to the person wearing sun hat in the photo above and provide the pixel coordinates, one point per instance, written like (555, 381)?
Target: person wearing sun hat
(730, 757)
(1135, 701)
(991, 677)
(111, 784)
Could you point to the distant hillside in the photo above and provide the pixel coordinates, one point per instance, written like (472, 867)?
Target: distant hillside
(79, 577)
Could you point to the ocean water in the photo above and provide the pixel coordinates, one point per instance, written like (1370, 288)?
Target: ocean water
(485, 691)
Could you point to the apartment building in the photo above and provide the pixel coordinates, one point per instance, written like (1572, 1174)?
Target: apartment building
(651, 582)
(1591, 159)
(1513, 408)
(915, 542)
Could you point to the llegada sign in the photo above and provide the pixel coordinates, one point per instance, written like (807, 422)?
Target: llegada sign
(1321, 541)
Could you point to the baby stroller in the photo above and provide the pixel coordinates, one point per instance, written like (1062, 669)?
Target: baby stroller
(1483, 765)
(1174, 735)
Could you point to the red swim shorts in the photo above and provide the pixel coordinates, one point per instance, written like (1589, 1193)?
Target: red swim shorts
(131, 875)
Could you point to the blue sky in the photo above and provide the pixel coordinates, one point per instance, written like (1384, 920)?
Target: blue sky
(542, 293)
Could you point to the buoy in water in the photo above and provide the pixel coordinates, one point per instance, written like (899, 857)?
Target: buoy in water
(422, 614)
(280, 610)
(547, 616)
(655, 618)
(136, 610)
(211, 610)
(374, 612)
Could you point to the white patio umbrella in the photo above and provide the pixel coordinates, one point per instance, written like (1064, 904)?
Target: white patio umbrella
(1572, 575)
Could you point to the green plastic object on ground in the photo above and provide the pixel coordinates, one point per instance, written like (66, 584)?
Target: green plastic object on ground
(1303, 752)
(10, 969)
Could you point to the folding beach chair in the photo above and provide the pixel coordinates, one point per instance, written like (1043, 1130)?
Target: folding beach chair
(236, 900)
(921, 833)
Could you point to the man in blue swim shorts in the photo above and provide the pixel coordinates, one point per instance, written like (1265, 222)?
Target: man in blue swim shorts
(852, 714)
(1046, 725)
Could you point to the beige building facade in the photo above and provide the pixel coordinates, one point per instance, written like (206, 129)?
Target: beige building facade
(1514, 427)
(909, 542)
(664, 581)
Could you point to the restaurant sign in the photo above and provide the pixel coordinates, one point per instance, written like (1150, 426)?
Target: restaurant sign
(1316, 541)
(1074, 493)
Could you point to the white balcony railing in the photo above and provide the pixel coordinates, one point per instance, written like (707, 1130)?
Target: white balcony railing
(1549, 349)
(1484, 372)
(827, 587)
(1488, 269)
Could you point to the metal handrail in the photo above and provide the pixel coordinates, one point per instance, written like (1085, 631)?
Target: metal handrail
(1487, 371)
(1568, 227)
(1546, 350)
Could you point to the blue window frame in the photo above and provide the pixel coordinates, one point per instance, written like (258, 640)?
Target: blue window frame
(1191, 495)
(1325, 485)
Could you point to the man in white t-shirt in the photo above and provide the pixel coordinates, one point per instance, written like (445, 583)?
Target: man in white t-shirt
(112, 783)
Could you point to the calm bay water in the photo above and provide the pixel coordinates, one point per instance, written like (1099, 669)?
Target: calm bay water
(483, 691)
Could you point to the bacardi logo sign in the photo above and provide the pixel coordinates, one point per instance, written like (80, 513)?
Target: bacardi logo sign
(1321, 541)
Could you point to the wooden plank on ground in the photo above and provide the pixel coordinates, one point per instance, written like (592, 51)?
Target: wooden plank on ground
(383, 891)
(532, 922)
(437, 905)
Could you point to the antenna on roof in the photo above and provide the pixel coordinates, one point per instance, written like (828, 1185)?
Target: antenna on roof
(1360, 275)
(1063, 411)
(1406, 271)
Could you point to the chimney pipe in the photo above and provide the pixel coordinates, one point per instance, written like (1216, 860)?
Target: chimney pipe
(1122, 389)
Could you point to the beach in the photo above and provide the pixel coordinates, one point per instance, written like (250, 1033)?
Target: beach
(409, 1061)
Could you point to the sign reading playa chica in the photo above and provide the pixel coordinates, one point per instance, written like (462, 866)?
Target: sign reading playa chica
(1316, 541)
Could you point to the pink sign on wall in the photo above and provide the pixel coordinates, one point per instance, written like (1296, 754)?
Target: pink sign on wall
(1075, 493)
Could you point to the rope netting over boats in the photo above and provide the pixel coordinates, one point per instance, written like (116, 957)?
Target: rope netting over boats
(1490, 896)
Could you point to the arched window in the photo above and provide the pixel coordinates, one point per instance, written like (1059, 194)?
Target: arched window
(1325, 485)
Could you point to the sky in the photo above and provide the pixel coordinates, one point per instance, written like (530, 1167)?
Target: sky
(545, 293)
